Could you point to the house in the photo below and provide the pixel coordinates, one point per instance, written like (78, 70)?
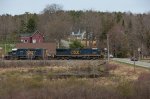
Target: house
(89, 41)
(78, 35)
(36, 41)
(35, 37)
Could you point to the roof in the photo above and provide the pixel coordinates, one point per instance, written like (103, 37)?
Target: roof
(29, 34)
(26, 35)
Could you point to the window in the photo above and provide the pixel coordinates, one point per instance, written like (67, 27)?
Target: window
(34, 41)
(25, 41)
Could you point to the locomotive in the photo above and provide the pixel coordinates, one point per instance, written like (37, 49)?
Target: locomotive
(24, 54)
(64, 54)
(78, 53)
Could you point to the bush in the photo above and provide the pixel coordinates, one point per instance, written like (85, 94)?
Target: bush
(76, 44)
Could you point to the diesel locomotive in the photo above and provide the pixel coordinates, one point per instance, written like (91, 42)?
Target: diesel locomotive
(24, 54)
(87, 53)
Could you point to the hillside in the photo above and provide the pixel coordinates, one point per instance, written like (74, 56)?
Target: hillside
(127, 31)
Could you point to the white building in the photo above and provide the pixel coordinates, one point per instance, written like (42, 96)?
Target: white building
(78, 35)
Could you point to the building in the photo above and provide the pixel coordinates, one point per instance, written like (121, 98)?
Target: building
(50, 47)
(78, 35)
(35, 37)
(35, 41)
(87, 39)
(89, 44)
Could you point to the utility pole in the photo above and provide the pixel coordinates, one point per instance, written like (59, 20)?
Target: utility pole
(108, 47)
(5, 47)
(105, 56)
(139, 52)
(142, 51)
(134, 59)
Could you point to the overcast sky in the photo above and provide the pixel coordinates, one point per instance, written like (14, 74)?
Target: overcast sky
(36, 6)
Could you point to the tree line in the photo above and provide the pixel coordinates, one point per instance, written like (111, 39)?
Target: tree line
(127, 31)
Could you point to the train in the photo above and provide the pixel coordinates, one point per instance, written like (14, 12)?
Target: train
(24, 54)
(63, 54)
(77, 54)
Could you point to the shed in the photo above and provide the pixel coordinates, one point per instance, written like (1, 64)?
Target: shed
(50, 47)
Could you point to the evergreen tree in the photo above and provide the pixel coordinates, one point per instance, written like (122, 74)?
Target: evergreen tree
(31, 25)
(23, 27)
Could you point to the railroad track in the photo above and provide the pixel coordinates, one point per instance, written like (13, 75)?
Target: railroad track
(28, 63)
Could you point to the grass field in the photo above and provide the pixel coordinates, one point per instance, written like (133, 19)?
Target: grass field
(47, 81)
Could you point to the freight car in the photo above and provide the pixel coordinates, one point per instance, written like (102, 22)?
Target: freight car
(89, 53)
(27, 54)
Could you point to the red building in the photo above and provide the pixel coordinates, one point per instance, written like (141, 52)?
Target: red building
(36, 37)
(50, 47)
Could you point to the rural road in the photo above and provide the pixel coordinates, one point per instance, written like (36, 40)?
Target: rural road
(137, 63)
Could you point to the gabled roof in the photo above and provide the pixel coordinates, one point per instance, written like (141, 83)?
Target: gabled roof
(36, 33)
(29, 34)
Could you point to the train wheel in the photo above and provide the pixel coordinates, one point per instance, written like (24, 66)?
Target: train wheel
(58, 58)
(88, 58)
(63, 58)
(94, 58)
(67, 58)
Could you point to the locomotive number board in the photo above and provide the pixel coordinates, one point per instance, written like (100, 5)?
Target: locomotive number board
(75, 52)
(30, 53)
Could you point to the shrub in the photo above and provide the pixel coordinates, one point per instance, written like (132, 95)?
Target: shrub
(76, 44)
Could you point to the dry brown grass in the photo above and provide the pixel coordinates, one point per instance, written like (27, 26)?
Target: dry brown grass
(127, 71)
(34, 83)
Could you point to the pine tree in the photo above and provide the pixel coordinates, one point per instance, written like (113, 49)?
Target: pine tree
(23, 28)
(31, 25)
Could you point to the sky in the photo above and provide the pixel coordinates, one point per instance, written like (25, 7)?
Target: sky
(16, 7)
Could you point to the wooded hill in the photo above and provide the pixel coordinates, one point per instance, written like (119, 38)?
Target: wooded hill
(127, 31)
